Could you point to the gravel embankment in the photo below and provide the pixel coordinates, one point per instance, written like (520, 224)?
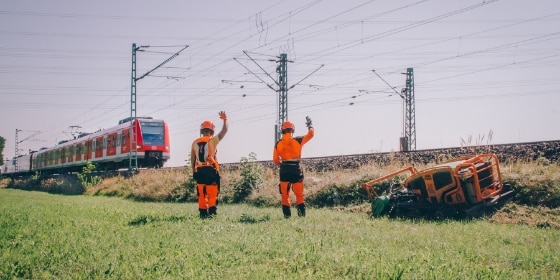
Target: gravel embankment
(545, 150)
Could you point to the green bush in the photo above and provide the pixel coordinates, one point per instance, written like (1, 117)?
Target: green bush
(87, 178)
(336, 195)
(251, 178)
(187, 191)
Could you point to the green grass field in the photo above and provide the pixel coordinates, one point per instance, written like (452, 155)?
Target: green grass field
(46, 236)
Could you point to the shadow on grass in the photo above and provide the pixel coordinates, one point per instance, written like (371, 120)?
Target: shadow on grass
(248, 219)
(146, 219)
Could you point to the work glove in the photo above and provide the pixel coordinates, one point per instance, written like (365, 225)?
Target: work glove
(222, 115)
(308, 122)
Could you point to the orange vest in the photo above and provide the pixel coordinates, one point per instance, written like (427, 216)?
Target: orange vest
(205, 150)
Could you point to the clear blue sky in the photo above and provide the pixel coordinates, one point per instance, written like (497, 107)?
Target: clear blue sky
(485, 71)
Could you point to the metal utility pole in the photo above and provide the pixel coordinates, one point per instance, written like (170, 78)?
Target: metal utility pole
(282, 71)
(16, 152)
(410, 109)
(133, 149)
(408, 140)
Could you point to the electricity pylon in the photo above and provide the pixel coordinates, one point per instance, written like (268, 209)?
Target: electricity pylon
(408, 140)
(282, 88)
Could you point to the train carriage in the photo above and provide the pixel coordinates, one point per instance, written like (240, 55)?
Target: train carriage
(108, 149)
(20, 165)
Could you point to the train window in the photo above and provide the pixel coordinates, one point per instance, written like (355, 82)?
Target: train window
(152, 133)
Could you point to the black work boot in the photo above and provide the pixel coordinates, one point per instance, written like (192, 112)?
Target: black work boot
(301, 210)
(212, 211)
(287, 212)
(203, 213)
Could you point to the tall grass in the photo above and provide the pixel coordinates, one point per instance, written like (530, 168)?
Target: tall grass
(46, 236)
(536, 183)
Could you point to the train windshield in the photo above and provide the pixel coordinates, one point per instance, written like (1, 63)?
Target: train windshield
(152, 133)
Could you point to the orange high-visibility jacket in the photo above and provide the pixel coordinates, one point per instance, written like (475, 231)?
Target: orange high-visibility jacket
(205, 150)
(289, 148)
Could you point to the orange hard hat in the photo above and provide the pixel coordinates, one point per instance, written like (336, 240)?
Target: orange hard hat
(207, 125)
(288, 124)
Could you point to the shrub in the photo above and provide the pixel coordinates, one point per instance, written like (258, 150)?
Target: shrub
(336, 195)
(187, 190)
(87, 178)
(251, 178)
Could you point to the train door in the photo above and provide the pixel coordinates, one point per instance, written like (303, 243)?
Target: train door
(48, 158)
(112, 145)
(63, 155)
(118, 143)
(71, 153)
(89, 149)
(125, 141)
(79, 152)
(99, 147)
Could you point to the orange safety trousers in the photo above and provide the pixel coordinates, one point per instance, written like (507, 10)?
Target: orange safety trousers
(207, 196)
(297, 188)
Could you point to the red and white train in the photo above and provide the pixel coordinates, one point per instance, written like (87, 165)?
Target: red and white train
(108, 149)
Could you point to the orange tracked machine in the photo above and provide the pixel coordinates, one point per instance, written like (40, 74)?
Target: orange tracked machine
(464, 187)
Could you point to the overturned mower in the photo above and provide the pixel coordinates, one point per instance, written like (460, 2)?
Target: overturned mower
(465, 187)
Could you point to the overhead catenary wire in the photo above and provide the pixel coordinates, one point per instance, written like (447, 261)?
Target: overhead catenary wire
(222, 70)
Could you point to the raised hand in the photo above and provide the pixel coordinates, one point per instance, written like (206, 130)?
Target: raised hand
(222, 115)
(308, 122)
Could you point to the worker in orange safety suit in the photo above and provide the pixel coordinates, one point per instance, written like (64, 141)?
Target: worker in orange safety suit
(287, 155)
(205, 167)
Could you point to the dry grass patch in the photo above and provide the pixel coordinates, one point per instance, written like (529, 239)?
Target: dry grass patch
(165, 185)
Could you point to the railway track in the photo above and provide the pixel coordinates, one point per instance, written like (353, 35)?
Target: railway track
(526, 151)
